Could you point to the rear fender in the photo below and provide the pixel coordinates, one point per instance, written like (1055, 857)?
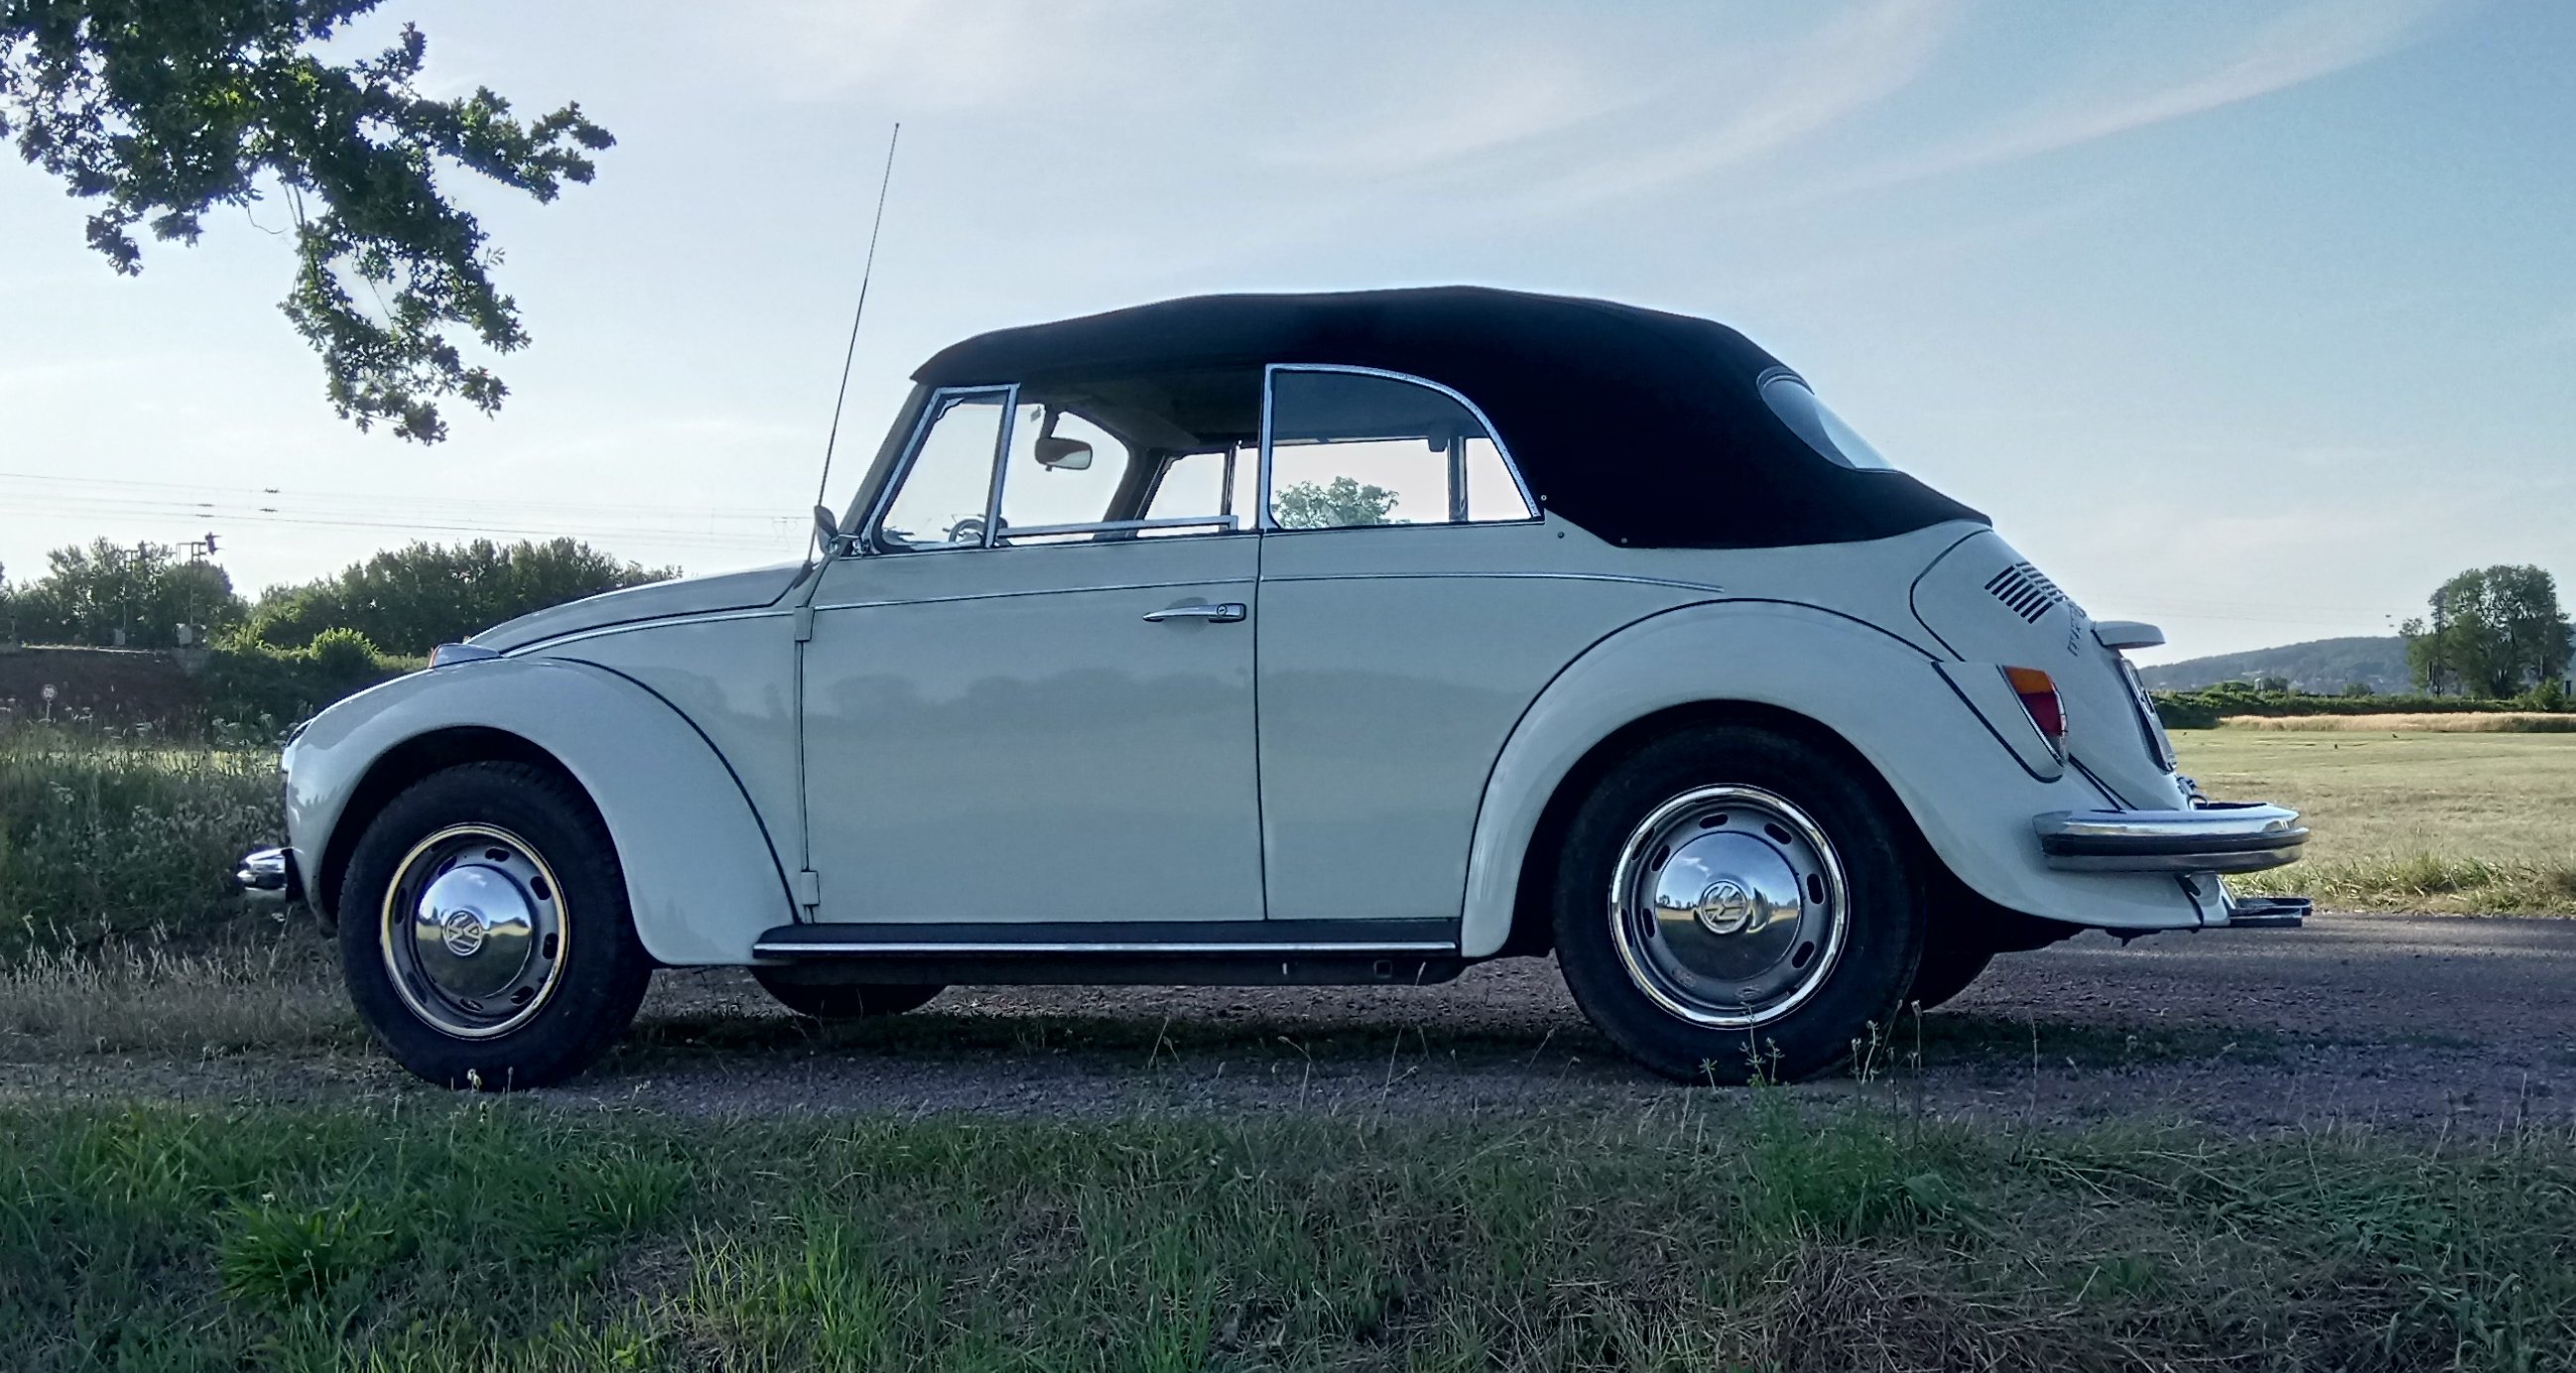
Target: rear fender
(1964, 787)
(702, 875)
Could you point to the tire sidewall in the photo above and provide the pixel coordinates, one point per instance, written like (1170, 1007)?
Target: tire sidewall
(604, 969)
(1883, 928)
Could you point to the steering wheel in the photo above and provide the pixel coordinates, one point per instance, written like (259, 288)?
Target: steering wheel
(967, 530)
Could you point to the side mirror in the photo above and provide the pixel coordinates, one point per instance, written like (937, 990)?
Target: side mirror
(1063, 455)
(827, 531)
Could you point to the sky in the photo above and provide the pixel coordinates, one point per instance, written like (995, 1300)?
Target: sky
(2253, 320)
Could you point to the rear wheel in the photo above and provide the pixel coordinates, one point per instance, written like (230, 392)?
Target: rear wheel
(1734, 902)
(843, 1000)
(484, 929)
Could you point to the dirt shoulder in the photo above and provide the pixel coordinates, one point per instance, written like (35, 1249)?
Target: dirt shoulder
(2407, 1021)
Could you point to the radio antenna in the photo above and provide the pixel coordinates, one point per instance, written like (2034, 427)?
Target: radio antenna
(842, 396)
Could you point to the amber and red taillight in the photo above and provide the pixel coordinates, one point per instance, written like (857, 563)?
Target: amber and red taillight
(2039, 698)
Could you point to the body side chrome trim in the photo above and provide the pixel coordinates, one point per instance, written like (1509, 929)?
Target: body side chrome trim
(768, 949)
(1709, 587)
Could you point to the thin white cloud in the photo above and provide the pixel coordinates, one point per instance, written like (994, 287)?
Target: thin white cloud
(1839, 71)
(931, 55)
(1501, 95)
(2314, 41)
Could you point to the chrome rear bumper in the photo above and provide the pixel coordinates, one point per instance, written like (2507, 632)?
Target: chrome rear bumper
(2243, 836)
(268, 876)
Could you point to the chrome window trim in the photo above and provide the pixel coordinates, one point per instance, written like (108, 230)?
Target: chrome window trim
(1269, 403)
(931, 411)
(1035, 531)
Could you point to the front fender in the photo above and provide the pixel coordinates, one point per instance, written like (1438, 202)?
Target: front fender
(702, 875)
(1966, 791)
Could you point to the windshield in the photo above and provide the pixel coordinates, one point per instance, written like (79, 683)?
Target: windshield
(1823, 430)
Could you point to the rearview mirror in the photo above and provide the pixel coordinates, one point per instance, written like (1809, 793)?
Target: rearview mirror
(1064, 455)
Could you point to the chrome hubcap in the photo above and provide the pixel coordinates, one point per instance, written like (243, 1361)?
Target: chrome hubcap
(473, 931)
(1728, 906)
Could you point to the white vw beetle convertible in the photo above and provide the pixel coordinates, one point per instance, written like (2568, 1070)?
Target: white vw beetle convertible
(1286, 639)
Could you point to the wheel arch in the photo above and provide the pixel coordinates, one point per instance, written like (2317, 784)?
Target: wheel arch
(1533, 922)
(397, 768)
(704, 875)
(1845, 686)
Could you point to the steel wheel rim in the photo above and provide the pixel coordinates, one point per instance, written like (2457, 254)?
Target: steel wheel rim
(473, 931)
(1728, 906)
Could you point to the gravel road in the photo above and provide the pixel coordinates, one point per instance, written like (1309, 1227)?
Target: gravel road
(2399, 1020)
(2409, 1021)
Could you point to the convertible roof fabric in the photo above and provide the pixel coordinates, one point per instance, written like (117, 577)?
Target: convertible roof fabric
(1645, 428)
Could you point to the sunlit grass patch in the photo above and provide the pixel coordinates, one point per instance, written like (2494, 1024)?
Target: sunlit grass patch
(1745, 1232)
(101, 835)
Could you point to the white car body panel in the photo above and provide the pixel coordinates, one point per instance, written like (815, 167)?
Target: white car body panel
(701, 875)
(1394, 663)
(977, 752)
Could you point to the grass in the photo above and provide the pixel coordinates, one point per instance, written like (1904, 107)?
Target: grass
(1736, 1233)
(2498, 722)
(102, 835)
(2410, 821)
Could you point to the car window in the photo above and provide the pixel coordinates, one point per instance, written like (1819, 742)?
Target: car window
(1824, 431)
(1063, 470)
(1353, 448)
(1197, 485)
(941, 503)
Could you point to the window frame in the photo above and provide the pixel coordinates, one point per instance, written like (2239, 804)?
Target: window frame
(937, 406)
(1457, 470)
(934, 409)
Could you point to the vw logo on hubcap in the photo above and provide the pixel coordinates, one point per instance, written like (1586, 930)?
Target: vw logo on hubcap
(1725, 908)
(462, 931)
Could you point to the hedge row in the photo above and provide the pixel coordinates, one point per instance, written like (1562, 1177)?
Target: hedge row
(2205, 708)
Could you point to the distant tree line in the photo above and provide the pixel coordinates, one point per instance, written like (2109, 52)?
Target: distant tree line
(2491, 632)
(402, 602)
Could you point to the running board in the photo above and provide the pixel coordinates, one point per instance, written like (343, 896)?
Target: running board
(1234, 952)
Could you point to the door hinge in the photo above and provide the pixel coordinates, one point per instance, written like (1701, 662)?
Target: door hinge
(804, 623)
(809, 888)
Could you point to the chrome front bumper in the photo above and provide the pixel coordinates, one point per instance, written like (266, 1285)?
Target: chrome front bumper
(268, 876)
(2243, 836)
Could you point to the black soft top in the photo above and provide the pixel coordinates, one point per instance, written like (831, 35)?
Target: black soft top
(1645, 428)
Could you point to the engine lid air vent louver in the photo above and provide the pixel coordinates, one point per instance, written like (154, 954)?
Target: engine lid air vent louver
(2025, 591)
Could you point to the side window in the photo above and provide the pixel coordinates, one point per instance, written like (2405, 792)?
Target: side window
(1063, 470)
(944, 494)
(1354, 448)
(1196, 486)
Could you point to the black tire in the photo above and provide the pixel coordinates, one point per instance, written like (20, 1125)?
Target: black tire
(1950, 963)
(590, 991)
(1881, 922)
(844, 1000)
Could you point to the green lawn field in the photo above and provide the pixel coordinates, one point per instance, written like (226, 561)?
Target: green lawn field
(2411, 821)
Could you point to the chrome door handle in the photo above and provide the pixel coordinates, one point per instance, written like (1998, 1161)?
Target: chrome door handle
(1222, 613)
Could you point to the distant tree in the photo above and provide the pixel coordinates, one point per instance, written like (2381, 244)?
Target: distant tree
(2280, 684)
(87, 594)
(167, 109)
(410, 600)
(2358, 689)
(1307, 505)
(2492, 631)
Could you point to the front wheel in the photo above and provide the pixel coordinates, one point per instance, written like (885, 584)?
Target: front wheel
(1735, 903)
(484, 929)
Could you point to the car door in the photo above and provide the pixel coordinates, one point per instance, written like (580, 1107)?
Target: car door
(1012, 718)
(1408, 619)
